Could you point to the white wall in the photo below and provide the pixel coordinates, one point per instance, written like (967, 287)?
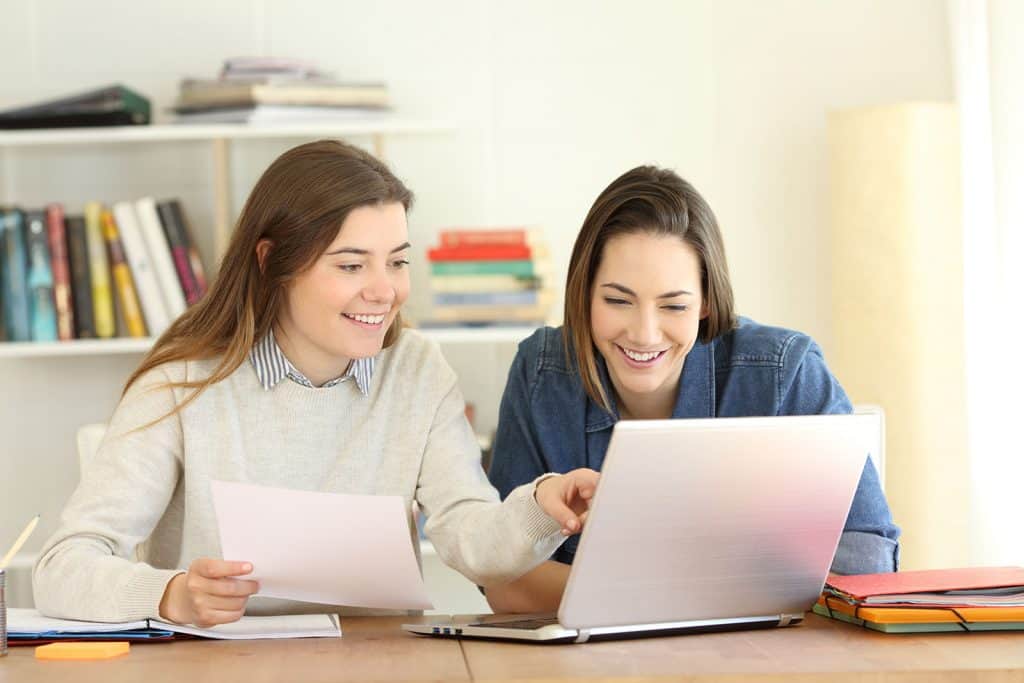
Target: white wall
(550, 102)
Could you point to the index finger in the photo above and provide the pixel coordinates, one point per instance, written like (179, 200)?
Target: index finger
(219, 569)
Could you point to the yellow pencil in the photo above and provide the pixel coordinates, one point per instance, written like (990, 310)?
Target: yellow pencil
(20, 542)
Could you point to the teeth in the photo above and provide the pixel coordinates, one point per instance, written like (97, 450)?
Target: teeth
(640, 356)
(368, 319)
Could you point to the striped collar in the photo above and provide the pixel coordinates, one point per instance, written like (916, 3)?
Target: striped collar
(271, 366)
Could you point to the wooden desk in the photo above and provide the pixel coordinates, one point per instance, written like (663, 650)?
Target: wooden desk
(374, 649)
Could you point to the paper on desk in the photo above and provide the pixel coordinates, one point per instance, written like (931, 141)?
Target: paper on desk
(331, 548)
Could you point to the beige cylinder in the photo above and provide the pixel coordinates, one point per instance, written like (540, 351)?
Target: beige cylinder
(897, 296)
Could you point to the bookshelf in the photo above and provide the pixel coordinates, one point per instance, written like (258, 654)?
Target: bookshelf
(124, 346)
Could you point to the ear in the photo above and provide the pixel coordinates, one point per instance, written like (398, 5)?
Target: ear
(705, 311)
(262, 250)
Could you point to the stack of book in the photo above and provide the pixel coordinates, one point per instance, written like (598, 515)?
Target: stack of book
(490, 277)
(260, 89)
(126, 270)
(978, 599)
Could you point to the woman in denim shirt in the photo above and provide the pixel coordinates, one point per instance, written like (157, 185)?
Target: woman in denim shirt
(650, 333)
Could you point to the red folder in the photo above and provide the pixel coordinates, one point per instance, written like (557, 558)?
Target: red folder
(860, 587)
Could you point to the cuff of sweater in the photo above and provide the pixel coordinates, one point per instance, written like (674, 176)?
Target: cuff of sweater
(537, 525)
(142, 594)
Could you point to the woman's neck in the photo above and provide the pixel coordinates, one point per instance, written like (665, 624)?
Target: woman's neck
(316, 366)
(654, 405)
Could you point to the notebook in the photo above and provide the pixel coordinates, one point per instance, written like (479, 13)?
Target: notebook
(30, 626)
(702, 525)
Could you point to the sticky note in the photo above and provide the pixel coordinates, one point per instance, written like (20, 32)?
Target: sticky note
(104, 650)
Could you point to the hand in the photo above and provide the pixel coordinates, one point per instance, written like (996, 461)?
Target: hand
(566, 497)
(208, 594)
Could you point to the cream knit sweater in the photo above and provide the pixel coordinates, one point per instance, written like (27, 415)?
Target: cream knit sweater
(143, 511)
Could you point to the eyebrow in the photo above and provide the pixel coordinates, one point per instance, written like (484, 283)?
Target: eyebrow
(627, 290)
(364, 252)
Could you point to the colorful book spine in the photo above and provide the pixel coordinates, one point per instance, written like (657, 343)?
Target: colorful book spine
(178, 242)
(160, 255)
(488, 299)
(42, 313)
(126, 294)
(99, 273)
(485, 314)
(17, 319)
(147, 286)
(194, 259)
(484, 283)
(475, 238)
(518, 268)
(62, 299)
(81, 283)
(509, 252)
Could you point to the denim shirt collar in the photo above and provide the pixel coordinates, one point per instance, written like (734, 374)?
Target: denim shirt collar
(696, 396)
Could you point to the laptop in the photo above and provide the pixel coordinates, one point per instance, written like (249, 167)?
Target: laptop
(702, 525)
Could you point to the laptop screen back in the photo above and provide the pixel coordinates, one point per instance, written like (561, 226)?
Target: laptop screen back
(715, 518)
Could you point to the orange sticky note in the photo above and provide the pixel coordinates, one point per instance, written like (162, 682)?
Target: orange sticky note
(103, 650)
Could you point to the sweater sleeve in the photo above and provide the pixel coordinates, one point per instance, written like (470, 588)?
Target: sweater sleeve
(486, 540)
(87, 569)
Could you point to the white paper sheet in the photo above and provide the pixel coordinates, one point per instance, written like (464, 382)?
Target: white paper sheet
(331, 548)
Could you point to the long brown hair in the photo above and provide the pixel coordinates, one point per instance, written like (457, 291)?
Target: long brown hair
(298, 204)
(646, 199)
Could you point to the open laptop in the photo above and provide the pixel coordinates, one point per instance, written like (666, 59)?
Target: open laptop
(702, 525)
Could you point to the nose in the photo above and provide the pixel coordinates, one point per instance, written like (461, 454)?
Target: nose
(379, 290)
(645, 329)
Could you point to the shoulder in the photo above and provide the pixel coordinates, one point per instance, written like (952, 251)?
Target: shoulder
(751, 343)
(415, 355)
(544, 352)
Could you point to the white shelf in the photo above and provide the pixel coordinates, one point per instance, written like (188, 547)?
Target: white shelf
(220, 131)
(77, 347)
(105, 347)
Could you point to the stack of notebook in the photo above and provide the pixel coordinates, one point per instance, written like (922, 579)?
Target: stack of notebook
(975, 599)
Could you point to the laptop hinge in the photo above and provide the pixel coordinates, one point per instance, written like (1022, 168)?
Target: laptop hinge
(583, 635)
(785, 619)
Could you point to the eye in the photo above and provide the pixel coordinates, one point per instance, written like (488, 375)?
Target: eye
(676, 308)
(350, 267)
(400, 263)
(615, 302)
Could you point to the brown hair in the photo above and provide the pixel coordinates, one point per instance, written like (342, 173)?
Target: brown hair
(298, 204)
(651, 200)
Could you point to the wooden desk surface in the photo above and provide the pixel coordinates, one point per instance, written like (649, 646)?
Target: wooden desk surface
(375, 649)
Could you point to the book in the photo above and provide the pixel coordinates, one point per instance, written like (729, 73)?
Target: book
(276, 113)
(186, 257)
(521, 268)
(963, 587)
(62, 299)
(99, 273)
(484, 283)
(81, 283)
(122, 276)
(147, 286)
(113, 105)
(14, 290)
(28, 626)
(160, 256)
(527, 298)
(532, 314)
(456, 237)
(43, 316)
(945, 626)
(221, 93)
(487, 252)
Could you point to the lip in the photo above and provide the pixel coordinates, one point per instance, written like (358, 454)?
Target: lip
(640, 365)
(366, 326)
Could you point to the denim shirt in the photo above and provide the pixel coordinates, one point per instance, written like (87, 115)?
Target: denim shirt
(547, 423)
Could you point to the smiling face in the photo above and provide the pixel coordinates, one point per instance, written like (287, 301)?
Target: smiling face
(341, 308)
(645, 311)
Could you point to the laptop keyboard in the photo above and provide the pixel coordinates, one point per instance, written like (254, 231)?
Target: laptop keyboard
(526, 624)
